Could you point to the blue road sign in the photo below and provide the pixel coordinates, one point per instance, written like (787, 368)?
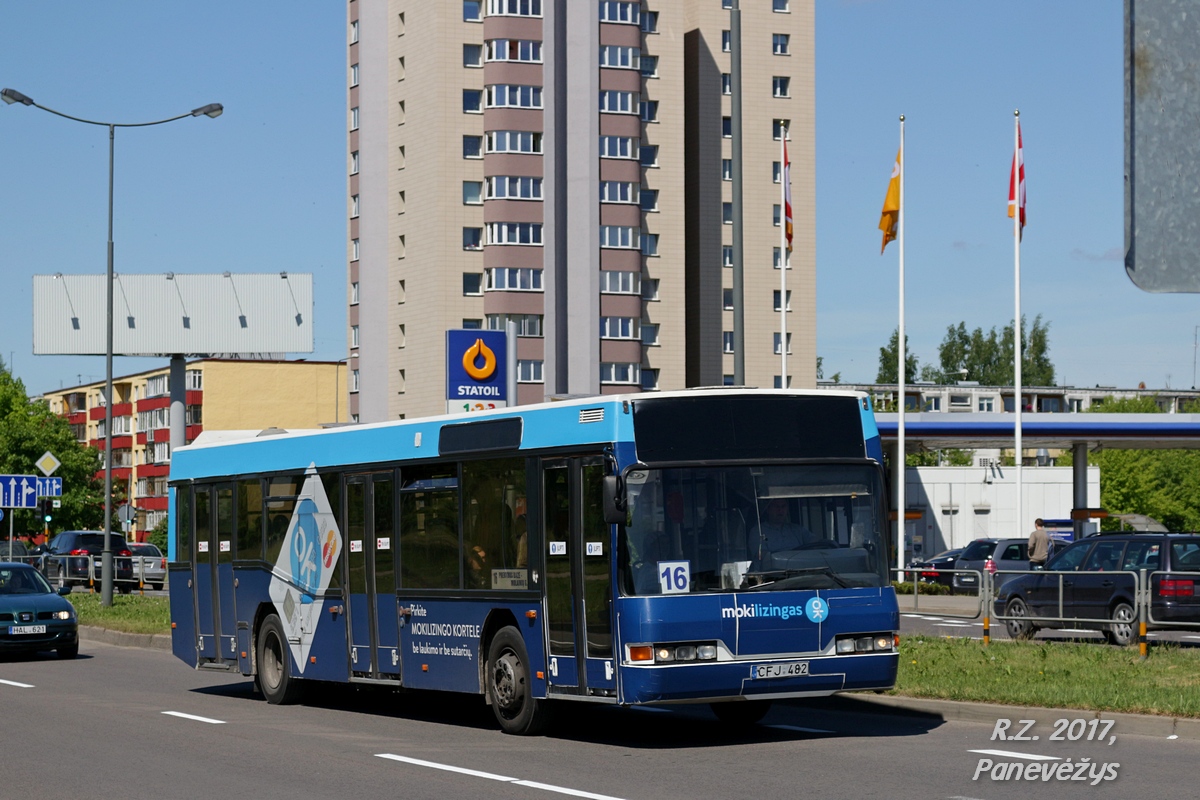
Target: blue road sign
(49, 487)
(18, 491)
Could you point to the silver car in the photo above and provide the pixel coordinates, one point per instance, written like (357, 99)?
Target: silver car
(1004, 553)
(149, 564)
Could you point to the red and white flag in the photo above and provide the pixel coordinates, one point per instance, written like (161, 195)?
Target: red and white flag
(787, 195)
(1016, 183)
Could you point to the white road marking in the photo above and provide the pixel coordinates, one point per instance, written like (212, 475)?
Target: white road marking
(18, 685)
(956, 624)
(1173, 736)
(181, 715)
(797, 728)
(493, 777)
(1011, 754)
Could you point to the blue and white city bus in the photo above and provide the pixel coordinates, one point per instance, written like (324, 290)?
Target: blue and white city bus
(710, 546)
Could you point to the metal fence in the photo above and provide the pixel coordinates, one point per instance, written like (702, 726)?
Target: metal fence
(143, 575)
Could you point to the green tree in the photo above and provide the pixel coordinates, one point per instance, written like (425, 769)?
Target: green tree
(158, 535)
(28, 429)
(988, 357)
(888, 357)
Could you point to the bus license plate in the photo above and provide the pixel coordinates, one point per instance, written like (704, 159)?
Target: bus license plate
(16, 629)
(788, 669)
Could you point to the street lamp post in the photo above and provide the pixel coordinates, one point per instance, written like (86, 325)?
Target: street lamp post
(212, 110)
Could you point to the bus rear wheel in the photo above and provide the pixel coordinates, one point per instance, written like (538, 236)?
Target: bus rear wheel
(274, 677)
(509, 686)
(743, 714)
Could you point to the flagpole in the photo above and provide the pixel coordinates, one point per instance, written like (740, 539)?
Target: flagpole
(783, 258)
(1017, 327)
(900, 376)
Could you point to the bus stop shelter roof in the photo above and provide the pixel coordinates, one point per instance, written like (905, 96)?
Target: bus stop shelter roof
(1048, 430)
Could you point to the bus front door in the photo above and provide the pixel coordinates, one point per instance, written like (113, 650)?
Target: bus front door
(578, 577)
(371, 582)
(216, 627)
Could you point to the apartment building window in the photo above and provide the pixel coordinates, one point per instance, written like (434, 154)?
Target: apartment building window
(780, 43)
(472, 193)
(649, 199)
(513, 142)
(781, 86)
(620, 282)
(727, 340)
(513, 95)
(354, 293)
(354, 118)
(649, 109)
(620, 57)
(529, 371)
(619, 147)
(775, 343)
(726, 41)
(618, 191)
(514, 279)
(472, 324)
(779, 126)
(987, 404)
(775, 300)
(472, 11)
(160, 452)
(514, 8)
(726, 83)
(354, 336)
(726, 255)
(726, 3)
(649, 380)
(354, 32)
(353, 75)
(727, 127)
(649, 334)
(620, 372)
(472, 147)
(649, 66)
(619, 328)
(649, 22)
(726, 169)
(780, 6)
(353, 380)
(514, 187)
(650, 244)
(775, 214)
(618, 102)
(472, 55)
(502, 233)
(619, 236)
(472, 284)
(354, 163)
(648, 155)
(650, 289)
(620, 11)
(527, 324)
(152, 420)
(779, 381)
(775, 259)
(472, 101)
(354, 249)
(527, 50)
(472, 238)
(727, 213)
(354, 205)
(727, 299)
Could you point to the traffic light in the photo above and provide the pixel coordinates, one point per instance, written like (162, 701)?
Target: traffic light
(47, 509)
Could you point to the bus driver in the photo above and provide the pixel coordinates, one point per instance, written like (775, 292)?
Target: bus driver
(776, 532)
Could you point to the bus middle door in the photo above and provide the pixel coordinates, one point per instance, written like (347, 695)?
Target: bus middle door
(371, 583)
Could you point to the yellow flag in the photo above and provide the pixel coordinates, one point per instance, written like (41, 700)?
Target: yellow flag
(891, 206)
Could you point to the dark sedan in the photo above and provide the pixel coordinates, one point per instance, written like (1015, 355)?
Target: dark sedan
(1099, 584)
(930, 568)
(33, 617)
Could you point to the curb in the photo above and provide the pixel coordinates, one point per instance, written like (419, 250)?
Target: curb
(150, 641)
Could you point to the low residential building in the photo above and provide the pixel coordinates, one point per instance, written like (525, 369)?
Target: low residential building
(222, 394)
(965, 397)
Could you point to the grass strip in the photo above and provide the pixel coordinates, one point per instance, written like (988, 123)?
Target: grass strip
(1074, 675)
(128, 613)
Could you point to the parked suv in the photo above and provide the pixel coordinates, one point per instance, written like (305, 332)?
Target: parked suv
(1101, 585)
(68, 554)
(1004, 553)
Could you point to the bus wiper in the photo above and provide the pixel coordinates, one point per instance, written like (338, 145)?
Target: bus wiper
(781, 576)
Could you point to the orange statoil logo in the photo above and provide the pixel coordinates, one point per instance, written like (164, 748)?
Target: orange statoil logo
(477, 351)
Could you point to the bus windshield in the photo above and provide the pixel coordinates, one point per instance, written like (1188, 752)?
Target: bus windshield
(753, 528)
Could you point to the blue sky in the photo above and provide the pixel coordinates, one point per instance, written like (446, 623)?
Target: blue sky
(262, 188)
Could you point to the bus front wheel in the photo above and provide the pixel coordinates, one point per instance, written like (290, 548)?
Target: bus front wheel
(509, 685)
(274, 676)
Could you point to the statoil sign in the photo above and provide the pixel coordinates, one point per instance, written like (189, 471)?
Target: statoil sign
(476, 370)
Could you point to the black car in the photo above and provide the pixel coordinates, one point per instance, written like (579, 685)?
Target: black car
(1101, 585)
(33, 617)
(930, 568)
(68, 555)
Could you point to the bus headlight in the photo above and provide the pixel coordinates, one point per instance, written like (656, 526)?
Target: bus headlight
(872, 643)
(707, 652)
(664, 654)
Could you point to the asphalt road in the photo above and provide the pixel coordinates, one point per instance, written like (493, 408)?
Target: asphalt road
(137, 723)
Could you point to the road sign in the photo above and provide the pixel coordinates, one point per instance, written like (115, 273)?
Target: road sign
(49, 487)
(47, 463)
(18, 491)
(126, 513)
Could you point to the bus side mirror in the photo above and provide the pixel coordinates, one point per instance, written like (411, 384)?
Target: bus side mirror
(614, 500)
